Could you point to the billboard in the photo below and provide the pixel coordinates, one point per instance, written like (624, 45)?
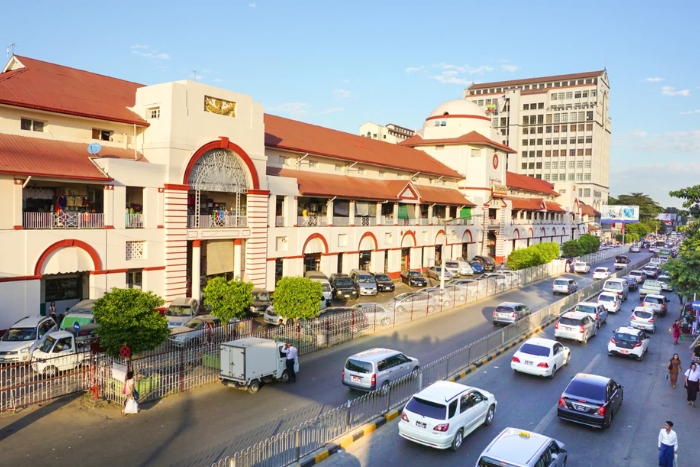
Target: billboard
(666, 217)
(619, 214)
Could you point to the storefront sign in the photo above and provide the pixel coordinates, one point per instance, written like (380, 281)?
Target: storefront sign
(498, 190)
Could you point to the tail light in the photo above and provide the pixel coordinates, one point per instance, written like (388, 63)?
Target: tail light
(495, 314)
(633, 317)
(562, 402)
(663, 307)
(515, 359)
(374, 379)
(442, 427)
(556, 325)
(600, 411)
(581, 329)
(543, 365)
(342, 376)
(651, 320)
(638, 344)
(612, 340)
(512, 315)
(404, 417)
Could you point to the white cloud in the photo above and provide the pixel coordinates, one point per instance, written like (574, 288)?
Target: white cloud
(450, 77)
(333, 110)
(466, 69)
(197, 77)
(296, 109)
(218, 80)
(414, 69)
(341, 93)
(510, 68)
(639, 133)
(139, 46)
(691, 112)
(252, 5)
(671, 91)
(146, 52)
(653, 80)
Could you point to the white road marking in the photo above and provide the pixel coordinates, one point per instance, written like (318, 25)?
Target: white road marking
(547, 419)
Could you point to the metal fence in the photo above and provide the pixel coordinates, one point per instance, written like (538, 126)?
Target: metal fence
(291, 445)
(192, 359)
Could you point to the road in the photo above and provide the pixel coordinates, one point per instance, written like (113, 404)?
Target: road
(193, 428)
(529, 403)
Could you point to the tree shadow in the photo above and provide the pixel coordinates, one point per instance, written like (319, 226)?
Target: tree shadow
(34, 415)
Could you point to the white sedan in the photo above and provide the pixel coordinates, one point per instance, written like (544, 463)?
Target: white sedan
(601, 274)
(540, 357)
(582, 267)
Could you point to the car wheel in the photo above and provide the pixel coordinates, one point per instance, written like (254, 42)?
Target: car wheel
(608, 422)
(640, 357)
(461, 298)
(385, 322)
(585, 339)
(400, 309)
(446, 304)
(568, 359)
(457, 441)
(285, 377)
(50, 372)
(554, 370)
(489, 416)
(384, 389)
(595, 332)
(254, 386)
(431, 308)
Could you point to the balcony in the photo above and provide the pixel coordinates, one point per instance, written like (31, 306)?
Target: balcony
(280, 221)
(365, 221)
(134, 221)
(341, 221)
(62, 220)
(311, 221)
(226, 221)
(493, 222)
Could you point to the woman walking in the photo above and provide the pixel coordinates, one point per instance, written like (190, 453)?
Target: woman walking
(130, 406)
(676, 330)
(692, 378)
(674, 368)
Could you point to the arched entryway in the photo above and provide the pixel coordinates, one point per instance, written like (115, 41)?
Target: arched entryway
(491, 240)
(313, 248)
(516, 237)
(408, 241)
(440, 240)
(467, 240)
(368, 243)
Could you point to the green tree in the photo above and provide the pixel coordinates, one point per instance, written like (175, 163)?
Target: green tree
(228, 299)
(534, 255)
(297, 297)
(648, 208)
(128, 317)
(691, 200)
(639, 229)
(572, 249)
(589, 243)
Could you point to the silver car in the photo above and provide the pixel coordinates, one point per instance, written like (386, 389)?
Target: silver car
(377, 368)
(414, 301)
(376, 314)
(565, 286)
(509, 313)
(434, 272)
(575, 325)
(521, 448)
(643, 318)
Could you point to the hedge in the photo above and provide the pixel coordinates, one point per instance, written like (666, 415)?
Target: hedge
(534, 255)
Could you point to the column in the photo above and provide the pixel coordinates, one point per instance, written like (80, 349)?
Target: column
(291, 211)
(196, 270)
(272, 211)
(351, 260)
(151, 197)
(17, 214)
(351, 214)
(377, 265)
(416, 258)
(108, 207)
(329, 263)
(396, 213)
(160, 219)
(175, 223)
(430, 214)
(379, 215)
(237, 258)
(256, 245)
(394, 263)
(119, 203)
(329, 212)
(429, 257)
(416, 211)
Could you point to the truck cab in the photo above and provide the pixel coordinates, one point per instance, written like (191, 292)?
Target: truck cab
(63, 350)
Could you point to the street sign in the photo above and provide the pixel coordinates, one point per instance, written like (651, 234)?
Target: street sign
(125, 351)
(76, 327)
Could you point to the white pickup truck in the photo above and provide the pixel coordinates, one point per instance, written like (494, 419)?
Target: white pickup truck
(621, 262)
(63, 351)
(649, 287)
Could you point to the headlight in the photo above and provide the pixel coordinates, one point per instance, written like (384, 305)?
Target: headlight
(24, 350)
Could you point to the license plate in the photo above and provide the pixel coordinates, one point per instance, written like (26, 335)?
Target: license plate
(580, 408)
(356, 379)
(504, 315)
(420, 424)
(528, 363)
(624, 351)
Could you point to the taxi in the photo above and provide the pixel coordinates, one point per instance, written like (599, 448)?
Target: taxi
(514, 447)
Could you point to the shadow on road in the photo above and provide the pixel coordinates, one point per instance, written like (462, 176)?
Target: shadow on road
(35, 415)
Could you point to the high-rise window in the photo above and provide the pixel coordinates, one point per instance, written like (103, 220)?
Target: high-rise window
(555, 165)
(572, 164)
(589, 139)
(571, 177)
(531, 165)
(523, 165)
(548, 141)
(587, 164)
(587, 177)
(538, 165)
(546, 177)
(579, 164)
(524, 142)
(579, 177)
(572, 152)
(547, 165)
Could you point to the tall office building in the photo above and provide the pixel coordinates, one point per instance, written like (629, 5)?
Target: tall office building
(559, 126)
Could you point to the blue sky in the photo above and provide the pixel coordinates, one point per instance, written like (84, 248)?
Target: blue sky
(341, 63)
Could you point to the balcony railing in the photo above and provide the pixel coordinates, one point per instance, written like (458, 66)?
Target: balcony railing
(217, 222)
(493, 222)
(280, 221)
(311, 221)
(63, 220)
(365, 221)
(388, 220)
(134, 221)
(341, 221)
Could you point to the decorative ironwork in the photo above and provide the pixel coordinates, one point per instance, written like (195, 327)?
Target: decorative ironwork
(219, 106)
(219, 170)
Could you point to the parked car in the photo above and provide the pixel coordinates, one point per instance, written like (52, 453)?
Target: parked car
(617, 286)
(414, 301)
(477, 267)
(459, 268)
(435, 272)
(656, 303)
(540, 357)
(628, 342)
(512, 276)
(82, 313)
(469, 287)
(376, 314)
(516, 447)
(565, 286)
(581, 267)
(377, 368)
(487, 262)
(590, 400)
(365, 282)
(575, 325)
(601, 273)
(445, 297)
(443, 414)
(384, 282)
(181, 310)
(632, 283)
(195, 331)
(261, 301)
(344, 288)
(19, 342)
(413, 278)
(643, 318)
(326, 288)
(509, 313)
(63, 350)
(611, 301)
(596, 311)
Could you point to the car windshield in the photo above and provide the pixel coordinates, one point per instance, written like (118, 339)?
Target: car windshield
(193, 323)
(382, 277)
(581, 265)
(69, 321)
(414, 274)
(343, 282)
(19, 335)
(561, 282)
(635, 273)
(365, 280)
(475, 264)
(261, 297)
(358, 366)
(586, 308)
(427, 408)
(178, 310)
(532, 349)
(606, 298)
(504, 309)
(601, 270)
(613, 285)
(582, 388)
(656, 300)
(47, 345)
(570, 321)
(488, 462)
(451, 265)
(643, 314)
(622, 337)
(403, 296)
(271, 312)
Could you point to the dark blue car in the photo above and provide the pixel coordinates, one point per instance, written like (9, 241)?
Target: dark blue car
(476, 267)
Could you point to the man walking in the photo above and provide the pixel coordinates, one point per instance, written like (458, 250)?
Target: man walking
(291, 352)
(668, 445)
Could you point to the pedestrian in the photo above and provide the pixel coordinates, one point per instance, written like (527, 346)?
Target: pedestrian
(692, 376)
(676, 331)
(52, 312)
(291, 352)
(131, 395)
(668, 445)
(674, 368)
(696, 353)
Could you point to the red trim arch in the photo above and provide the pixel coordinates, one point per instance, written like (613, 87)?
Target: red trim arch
(365, 235)
(96, 261)
(532, 234)
(413, 235)
(441, 231)
(223, 143)
(471, 239)
(544, 232)
(563, 230)
(516, 234)
(311, 237)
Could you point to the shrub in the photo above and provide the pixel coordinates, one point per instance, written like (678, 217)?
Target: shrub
(572, 249)
(228, 299)
(534, 255)
(297, 297)
(589, 243)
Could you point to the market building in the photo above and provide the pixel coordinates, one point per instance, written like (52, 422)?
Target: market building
(190, 181)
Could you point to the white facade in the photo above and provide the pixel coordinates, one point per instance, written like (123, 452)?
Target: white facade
(559, 126)
(390, 133)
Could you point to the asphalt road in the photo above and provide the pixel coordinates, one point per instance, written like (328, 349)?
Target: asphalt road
(193, 428)
(529, 403)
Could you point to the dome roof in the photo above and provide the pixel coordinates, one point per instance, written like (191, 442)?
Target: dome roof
(458, 107)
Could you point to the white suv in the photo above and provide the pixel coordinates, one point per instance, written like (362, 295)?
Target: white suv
(19, 342)
(444, 413)
(611, 301)
(628, 342)
(575, 325)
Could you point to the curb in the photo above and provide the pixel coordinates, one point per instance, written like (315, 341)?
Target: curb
(366, 429)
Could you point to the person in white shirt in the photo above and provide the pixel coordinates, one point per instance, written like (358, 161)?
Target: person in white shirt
(291, 352)
(692, 378)
(668, 445)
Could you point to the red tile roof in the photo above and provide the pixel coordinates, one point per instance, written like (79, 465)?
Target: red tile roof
(554, 207)
(525, 183)
(515, 82)
(23, 155)
(588, 210)
(470, 138)
(293, 135)
(56, 88)
(525, 204)
(321, 184)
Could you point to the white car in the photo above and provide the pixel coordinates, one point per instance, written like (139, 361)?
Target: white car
(628, 342)
(634, 249)
(581, 267)
(444, 413)
(19, 342)
(595, 310)
(643, 318)
(611, 301)
(540, 357)
(576, 326)
(665, 283)
(601, 273)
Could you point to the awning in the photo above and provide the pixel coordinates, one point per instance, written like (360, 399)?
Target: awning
(219, 256)
(436, 195)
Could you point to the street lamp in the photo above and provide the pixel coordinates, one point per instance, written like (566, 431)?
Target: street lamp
(444, 245)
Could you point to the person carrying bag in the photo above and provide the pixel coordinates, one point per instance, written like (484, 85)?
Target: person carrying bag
(131, 406)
